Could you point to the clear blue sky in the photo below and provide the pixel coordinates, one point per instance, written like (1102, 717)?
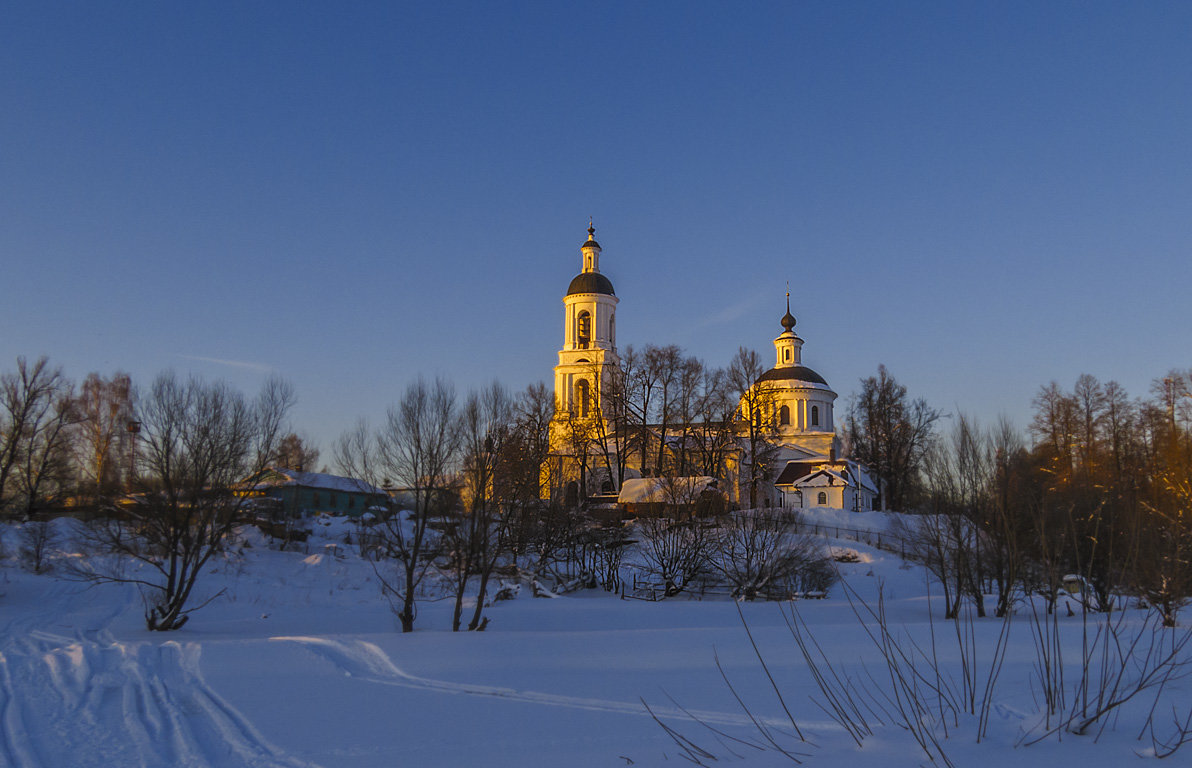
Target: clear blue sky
(982, 196)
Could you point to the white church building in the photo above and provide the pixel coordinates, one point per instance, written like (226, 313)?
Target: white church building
(810, 472)
(807, 469)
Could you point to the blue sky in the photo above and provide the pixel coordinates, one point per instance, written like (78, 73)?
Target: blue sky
(982, 196)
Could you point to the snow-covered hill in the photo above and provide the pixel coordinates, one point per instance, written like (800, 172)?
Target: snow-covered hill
(299, 663)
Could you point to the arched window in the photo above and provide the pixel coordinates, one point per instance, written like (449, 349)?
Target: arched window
(822, 499)
(582, 393)
(612, 329)
(786, 355)
(815, 415)
(583, 329)
(784, 415)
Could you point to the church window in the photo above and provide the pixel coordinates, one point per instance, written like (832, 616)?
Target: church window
(786, 355)
(784, 415)
(822, 499)
(612, 330)
(582, 393)
(815, 415)
(584, 329)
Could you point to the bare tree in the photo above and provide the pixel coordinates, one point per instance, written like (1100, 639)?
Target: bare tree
(37, 413)
(1012, 503)
(581, 440)
(666, 364)
(641, 386)
(525, 476)
(1091, 508)
(754, 421)
(1162, 571)
(712, 437)
(199, 441)
(959, 483)
(419, 448)
(676, 545)
(105, 443)
(676, 551)
(294, 452)
(890, 433)
(477, 539)
(762, 554)
(685, 412)
(38, 541)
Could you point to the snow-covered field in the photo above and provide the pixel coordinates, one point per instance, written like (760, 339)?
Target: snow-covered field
(300, 663)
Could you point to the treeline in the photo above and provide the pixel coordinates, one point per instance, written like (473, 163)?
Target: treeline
(68, 444)
(1100, 503)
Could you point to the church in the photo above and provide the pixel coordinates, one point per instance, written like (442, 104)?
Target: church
(790, 406)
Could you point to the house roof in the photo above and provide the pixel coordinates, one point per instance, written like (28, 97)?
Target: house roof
(805, 473)
(794, 470)
(663, 490)
(824, 477)
(277, 477)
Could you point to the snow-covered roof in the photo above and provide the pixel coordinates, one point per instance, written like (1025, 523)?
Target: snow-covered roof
(663, 490)
(848, 473)
(276, 477)
(822, 477)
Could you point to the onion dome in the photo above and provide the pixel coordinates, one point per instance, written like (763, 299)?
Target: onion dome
(590, 282)
(788, 320)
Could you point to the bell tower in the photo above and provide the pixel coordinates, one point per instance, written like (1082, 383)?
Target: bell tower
(589, 351)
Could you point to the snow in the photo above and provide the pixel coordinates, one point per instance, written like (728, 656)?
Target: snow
(683, 490)
(319, 480)
(299, 663)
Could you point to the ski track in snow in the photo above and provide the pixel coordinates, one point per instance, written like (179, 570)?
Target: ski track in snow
(366, 661)
(91, 700)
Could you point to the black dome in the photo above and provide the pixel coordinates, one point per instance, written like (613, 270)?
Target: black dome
(793, 373)
(590, 282)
